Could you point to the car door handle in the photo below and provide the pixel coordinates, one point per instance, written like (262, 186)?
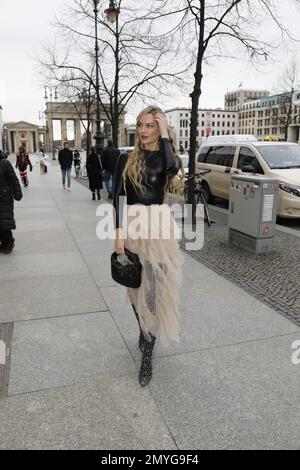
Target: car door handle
(237, 172)
(227, 170)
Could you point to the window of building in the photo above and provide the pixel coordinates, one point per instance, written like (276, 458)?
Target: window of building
(212, 132)
(186, 133)
(213, 123)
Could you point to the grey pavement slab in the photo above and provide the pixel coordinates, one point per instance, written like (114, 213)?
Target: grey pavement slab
(32, 203)
(67, 350)
(103, 248)
(27, 299)
(109, 415)
(41, 265)
(43, 241)
(207, 320)
(33, 225)
(235, 397)
(39, 213)
(84, 231)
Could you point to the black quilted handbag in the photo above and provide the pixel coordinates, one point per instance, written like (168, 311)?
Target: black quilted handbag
(126, 269)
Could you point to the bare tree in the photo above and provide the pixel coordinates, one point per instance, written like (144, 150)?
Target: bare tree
(208, 29)
(136, 62)
(82, 96)
(283, 111)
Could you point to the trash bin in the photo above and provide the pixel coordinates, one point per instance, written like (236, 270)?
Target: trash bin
(252, 212)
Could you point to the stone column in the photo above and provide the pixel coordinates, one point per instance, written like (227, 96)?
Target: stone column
(36, 141)
(292, 134)
(64, 133)
(93, 133)
(49, 140)
(77, 134)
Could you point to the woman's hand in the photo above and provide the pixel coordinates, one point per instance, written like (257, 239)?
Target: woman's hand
(162, 124)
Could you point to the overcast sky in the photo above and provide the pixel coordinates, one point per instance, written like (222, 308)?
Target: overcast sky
(26, 25)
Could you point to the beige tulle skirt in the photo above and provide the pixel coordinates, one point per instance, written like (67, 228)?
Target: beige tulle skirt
(154, 236)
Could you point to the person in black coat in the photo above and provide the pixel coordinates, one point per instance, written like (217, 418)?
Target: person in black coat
(109, 159)
(65, 158)
(10, 189)
(94, 172)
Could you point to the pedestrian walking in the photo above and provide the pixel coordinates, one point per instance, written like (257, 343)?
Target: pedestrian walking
(109, 158)
(94, 171)
(65, 158)
(10, 189)
(146, 177)
(77, 162)
(22, 162)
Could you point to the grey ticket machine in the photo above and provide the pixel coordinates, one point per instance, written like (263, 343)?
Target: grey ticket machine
(252, 212)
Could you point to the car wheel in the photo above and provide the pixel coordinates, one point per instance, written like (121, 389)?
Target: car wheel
(208, 196)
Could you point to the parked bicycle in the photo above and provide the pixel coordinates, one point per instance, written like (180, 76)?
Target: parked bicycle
(199, 194)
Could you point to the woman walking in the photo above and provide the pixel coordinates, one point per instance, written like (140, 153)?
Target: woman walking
(10, 189)
(146, 177)
(94, 172)
(22, 163)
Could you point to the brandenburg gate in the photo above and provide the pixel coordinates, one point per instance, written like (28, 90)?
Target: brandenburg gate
(77, 112)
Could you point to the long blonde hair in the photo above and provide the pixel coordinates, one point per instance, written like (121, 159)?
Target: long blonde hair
(135, 166)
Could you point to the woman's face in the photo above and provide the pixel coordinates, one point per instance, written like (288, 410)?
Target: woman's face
(148, 131)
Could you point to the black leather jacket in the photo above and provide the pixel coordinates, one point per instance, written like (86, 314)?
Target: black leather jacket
(159, 165)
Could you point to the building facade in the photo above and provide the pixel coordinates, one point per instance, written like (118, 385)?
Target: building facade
(210, 122)
(273, 117)
(234, 100)
(22, 134)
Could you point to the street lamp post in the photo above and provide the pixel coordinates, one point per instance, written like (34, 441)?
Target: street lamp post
(99, 135)
(111, 14)
(50, 88)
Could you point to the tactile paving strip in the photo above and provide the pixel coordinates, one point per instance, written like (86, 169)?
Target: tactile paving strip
(6, 334)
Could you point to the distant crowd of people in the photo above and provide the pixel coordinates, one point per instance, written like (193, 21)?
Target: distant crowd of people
(100, 169)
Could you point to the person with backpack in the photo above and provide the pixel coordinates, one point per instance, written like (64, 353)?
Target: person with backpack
(22, 163)
(10, 189)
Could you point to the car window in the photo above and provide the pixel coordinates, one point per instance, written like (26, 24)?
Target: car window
(226, 155)
(247, 157)
(220, 155)
(280, 156)
(202, 154)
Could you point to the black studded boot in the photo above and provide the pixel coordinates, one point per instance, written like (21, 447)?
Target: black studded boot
(141, 337)
(145, 374)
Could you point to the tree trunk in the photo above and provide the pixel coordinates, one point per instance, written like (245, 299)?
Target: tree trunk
(195, 95)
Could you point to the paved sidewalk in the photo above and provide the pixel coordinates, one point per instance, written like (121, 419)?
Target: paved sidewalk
(229, 384)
